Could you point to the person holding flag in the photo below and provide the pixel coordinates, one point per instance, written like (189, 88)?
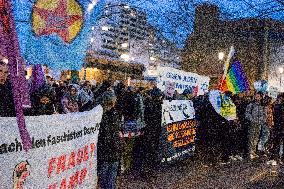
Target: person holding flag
(233, 81)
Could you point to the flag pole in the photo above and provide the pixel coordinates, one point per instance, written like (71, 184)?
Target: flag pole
(16, 70)
(226, 66)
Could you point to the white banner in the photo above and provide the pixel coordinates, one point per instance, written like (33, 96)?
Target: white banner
(177, 110)
(63, 153)
(182, 79)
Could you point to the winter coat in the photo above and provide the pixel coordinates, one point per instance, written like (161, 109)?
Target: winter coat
(41, 109)
(279, 118)
(7, 108)
(109, 142)
(130, 109)
(255, 113)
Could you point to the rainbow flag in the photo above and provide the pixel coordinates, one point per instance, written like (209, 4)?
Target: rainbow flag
(234, 78)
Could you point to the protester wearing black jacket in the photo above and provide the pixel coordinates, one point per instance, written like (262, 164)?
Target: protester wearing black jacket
(109, 146)
(153, 117)
(278, 130)
(43, 101)
(7, 108)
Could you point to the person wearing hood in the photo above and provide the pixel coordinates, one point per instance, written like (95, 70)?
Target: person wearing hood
(86, 97)
(109, 143)
(44, 101)
(70, 102)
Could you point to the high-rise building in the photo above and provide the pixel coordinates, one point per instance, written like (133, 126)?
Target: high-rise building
(123, 41)
(119, 26)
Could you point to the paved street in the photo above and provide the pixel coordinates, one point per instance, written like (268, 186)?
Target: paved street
(193, 175)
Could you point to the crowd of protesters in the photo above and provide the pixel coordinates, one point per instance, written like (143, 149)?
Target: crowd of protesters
(131, 123)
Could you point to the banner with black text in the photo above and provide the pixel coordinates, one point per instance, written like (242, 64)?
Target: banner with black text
(63, 153)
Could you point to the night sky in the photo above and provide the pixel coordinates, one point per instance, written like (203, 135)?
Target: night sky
(158, 10)
(178, 26)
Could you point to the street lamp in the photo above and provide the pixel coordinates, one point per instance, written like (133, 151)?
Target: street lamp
(105, 28)
(152, 58)
(124, 45)
(221, 55)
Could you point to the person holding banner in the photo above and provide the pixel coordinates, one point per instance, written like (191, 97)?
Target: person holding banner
(109, 143)
(43, 101)
(7, 108)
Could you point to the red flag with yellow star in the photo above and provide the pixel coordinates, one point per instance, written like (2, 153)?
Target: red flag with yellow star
(59, 31)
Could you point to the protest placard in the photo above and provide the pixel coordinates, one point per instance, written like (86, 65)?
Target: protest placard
(183, 80)
(178, 130)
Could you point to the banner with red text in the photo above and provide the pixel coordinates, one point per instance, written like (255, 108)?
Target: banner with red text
(177, 141)
(63, 153)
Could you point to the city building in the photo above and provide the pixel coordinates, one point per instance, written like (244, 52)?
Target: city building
(255, 40)
(162, 53)
(124, 45)
(118, 42)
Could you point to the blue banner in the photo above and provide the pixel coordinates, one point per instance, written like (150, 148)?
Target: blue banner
(56, 32)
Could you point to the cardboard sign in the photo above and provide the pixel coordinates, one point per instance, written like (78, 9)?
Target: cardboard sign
(261, 85)
(223, 105)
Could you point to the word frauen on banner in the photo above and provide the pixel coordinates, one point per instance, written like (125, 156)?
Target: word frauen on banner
(183, 80)
(63, 153)
(178, 130)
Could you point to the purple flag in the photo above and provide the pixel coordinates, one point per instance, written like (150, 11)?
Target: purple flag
(9, 48)
(38, 78)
